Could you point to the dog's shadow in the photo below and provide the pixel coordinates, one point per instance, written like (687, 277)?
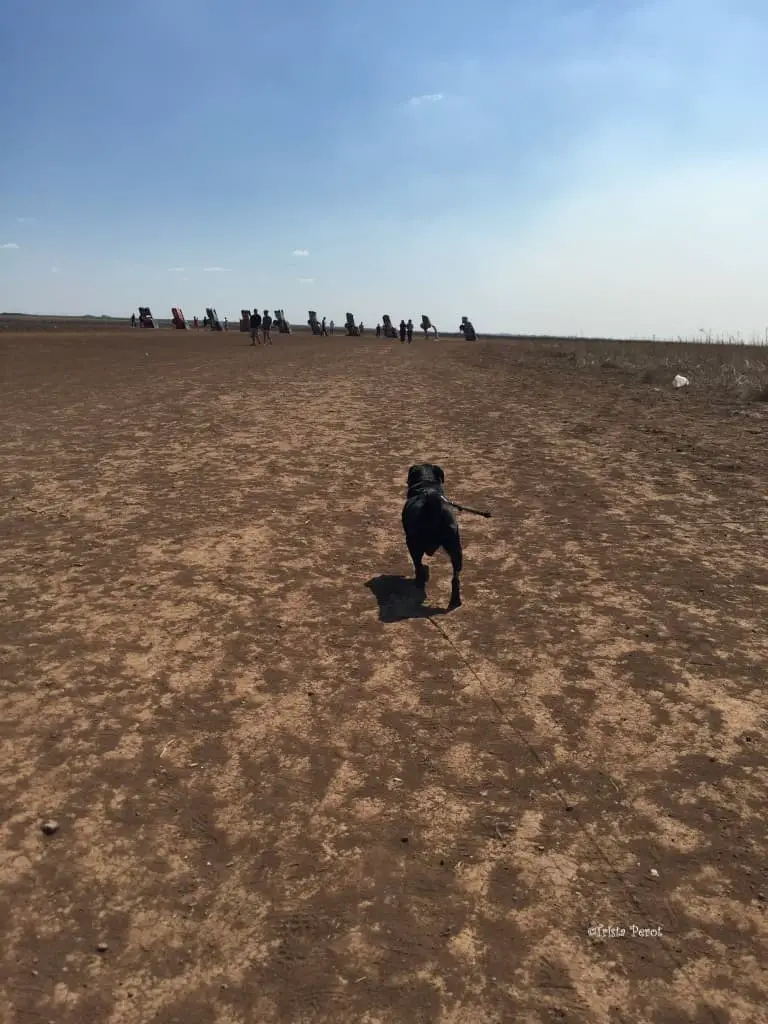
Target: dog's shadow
(399, 598)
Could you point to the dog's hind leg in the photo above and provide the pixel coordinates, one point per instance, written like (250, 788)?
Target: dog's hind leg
(453, 547)
(422, 572)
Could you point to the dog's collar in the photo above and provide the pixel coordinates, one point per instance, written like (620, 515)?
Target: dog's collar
(426, 486)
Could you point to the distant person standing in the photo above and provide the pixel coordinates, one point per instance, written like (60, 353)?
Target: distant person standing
(196, 322)
(323, 329)
(133, 319)
(403, 332)
(266, 327)
(332, 325)
(409, 331)
(255, 325)
(226, 324)
(378, 330)
(361, 327)
(205, 323)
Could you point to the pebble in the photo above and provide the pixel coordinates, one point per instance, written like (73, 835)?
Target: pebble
(654, 873)
(50, 828)
(102, 947)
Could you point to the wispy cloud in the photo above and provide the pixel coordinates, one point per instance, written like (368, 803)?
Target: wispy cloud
(305, 280)
(9, 245)
(26, 220)
(430, 97)
(215, 270)
(300, 252)
(176, 270)
(54, 270)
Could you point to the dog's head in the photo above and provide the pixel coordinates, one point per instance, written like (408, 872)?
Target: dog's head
(425, 473)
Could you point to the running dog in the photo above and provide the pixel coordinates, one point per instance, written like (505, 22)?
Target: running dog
(429, 524)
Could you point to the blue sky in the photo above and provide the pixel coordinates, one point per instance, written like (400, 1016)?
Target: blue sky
(546, 166)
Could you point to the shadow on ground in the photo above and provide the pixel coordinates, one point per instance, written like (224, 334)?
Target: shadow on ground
(399, 598)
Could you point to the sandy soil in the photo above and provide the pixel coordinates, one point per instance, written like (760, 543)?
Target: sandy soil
(286, 790)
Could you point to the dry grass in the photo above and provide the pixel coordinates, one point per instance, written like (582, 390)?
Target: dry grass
(735, 371)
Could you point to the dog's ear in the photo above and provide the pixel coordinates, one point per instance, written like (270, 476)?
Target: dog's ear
(439, 473)
(414, 475)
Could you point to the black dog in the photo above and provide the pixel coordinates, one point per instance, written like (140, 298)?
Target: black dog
(430, 524)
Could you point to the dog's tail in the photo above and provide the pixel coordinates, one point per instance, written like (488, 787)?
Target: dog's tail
(466, 508)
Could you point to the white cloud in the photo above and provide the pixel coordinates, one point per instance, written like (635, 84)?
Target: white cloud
(54, 270)
(9, 245)
(300, 252)
(431, 97)
(215, 270)
(26, 220)
(176, 270)
(306, 280)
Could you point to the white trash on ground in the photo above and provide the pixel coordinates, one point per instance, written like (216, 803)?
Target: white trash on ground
(680, 382)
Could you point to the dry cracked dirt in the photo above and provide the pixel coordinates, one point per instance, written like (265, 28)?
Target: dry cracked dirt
(287, 789)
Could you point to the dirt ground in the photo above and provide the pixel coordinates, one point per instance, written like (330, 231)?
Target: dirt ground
(285, 790)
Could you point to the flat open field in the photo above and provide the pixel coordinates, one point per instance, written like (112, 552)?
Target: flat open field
(285, 790)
